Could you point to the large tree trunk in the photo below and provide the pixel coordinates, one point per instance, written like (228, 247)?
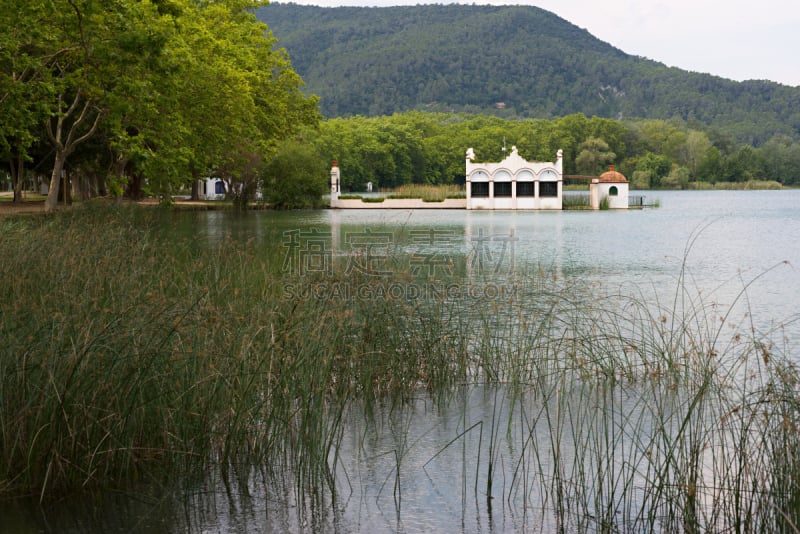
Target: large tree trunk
(18, 177)
(83, 185)
(195, 189)
(65, 195)
(121, 186)
(65, 136)
(55, 181)
(134, 189)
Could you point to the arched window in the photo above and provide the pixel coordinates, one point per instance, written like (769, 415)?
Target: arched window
(613, 191)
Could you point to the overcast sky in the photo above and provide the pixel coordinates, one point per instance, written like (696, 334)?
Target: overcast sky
(736, 39)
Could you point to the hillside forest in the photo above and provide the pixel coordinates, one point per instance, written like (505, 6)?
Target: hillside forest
(510, 61)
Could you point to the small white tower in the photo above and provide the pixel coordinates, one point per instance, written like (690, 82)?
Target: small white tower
(335, 184)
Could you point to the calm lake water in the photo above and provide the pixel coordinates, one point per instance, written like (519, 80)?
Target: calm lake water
(727, 240)
(423, 468)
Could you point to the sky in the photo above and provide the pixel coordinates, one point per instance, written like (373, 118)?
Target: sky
(735, 39)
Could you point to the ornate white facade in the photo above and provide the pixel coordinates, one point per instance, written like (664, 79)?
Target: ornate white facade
(511, 184)
(514, 183)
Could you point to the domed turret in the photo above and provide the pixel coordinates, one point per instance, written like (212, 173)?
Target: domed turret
(612, 176)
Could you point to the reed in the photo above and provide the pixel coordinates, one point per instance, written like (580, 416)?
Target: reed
(747, 185)
(129, 353)
(428, 193)
(576, 200)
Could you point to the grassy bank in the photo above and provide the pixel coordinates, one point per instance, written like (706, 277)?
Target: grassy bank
(128, 352)
(428, 193)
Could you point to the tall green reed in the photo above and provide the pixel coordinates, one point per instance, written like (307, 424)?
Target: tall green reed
(128, 352)
(131, 349)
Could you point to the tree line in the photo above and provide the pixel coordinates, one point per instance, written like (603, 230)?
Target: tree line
(424, 147)
(141, 96)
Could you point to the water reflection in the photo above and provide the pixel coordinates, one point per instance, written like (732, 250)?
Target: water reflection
(727, 240)
(540, 458)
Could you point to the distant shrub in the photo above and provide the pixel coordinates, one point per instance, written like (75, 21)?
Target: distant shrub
(701, 186)
(763, 184)
(296, 177)
(750, 185)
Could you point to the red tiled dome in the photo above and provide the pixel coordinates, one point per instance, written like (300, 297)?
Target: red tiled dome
(612, 176)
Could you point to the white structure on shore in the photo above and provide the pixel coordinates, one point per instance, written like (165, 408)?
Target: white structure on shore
(514, 183)
(611, 186)
(511, 184)
(211, 188)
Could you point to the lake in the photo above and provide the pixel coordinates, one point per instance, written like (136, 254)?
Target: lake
(484, 460)
(726, 239)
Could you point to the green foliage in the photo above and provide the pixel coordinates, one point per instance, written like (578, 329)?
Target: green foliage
(379, 150)
(295, 177)
(416, 148)
(593, 155)
(656, 165)
(782, 159)
(165, 92)
(678, 178)
(710, 169)
(513, 62)
(640, 180)
(154, 95)
(743, 165)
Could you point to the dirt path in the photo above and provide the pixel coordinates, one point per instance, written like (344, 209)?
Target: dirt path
(11, 208)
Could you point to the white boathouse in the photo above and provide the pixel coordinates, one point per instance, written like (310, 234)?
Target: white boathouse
(511, 184)
(514, 183)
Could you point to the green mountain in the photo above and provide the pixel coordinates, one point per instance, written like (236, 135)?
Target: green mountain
(512, 61)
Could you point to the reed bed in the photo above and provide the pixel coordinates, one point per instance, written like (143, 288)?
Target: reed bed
(129, 354)
(427, 192)
(127, 351)
(747, 186)
(572, 200)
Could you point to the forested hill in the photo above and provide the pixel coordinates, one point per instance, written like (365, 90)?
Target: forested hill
(512, 61)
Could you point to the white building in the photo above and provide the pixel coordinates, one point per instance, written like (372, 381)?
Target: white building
(211, 189)
(514, 183)
(611, 186)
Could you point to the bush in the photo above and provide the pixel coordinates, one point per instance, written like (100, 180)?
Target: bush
(296, 177)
